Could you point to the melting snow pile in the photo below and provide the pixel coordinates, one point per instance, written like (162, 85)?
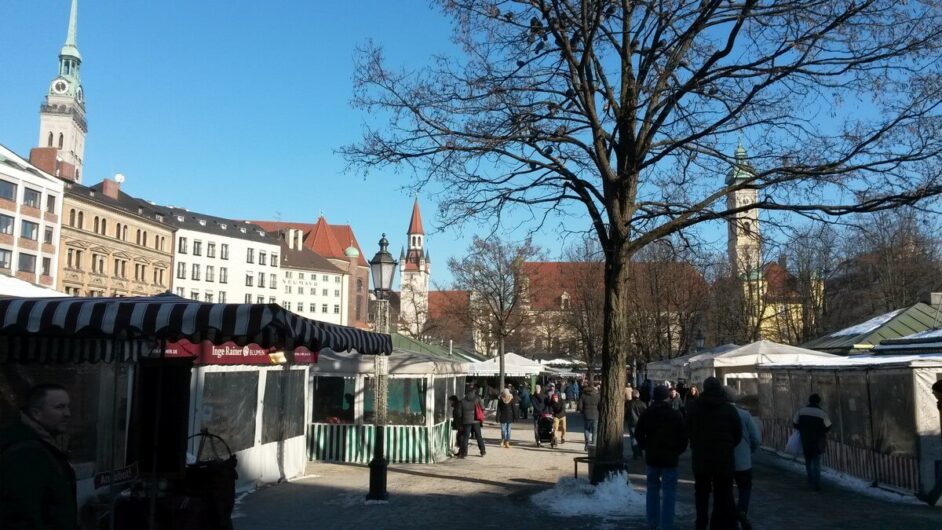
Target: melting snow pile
(574, 497)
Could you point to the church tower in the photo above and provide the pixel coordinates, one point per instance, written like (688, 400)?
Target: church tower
(62, 128)
(414, 272)
(744, 242)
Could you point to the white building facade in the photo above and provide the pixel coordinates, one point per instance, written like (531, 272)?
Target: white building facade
(30, 220)
(223, 261)
(311, 285)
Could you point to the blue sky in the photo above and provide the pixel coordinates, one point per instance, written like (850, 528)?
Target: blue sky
(231, 107)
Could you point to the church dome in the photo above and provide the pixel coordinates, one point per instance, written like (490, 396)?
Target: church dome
(351, 252)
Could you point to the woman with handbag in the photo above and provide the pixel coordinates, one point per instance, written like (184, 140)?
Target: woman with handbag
(472, 416)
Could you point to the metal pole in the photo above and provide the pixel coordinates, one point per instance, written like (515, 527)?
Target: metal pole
(379, 464)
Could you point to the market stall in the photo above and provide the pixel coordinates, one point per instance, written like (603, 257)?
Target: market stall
(885, 421)
(676, 369)
(419, 417)
(514, 366)
(127, 366)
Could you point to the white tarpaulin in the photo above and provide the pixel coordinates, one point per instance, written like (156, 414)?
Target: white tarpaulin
(15, 287)
(676, 368)
(514, 366)
(740, 363)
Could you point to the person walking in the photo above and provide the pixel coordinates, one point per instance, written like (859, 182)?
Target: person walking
(636, 408)
(506, 414)
(456, 423)
(589, 406)
(662, 437)
(539, 401)
(813, 425)
(714, 430)
(675, 401)
(37, 483)
(751, 439)
(525, 402)
(469, 421)
(558, 407)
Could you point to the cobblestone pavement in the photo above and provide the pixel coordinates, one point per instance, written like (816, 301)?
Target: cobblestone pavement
(494, 492)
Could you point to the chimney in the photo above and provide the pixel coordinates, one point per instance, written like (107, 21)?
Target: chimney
(289, 237)
(300, 241)
(110, 188)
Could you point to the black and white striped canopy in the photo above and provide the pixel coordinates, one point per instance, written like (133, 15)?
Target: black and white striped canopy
(105, 329)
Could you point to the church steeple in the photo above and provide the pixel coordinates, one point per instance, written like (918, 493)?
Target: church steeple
(414, 274)
(744, 243)
(62, 127)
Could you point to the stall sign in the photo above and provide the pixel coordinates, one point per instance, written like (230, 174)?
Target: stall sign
(116, 476)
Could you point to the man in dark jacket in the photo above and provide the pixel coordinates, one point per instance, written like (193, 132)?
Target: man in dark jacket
(538, 400)
(636, 407)
(660, 434)
(469, 423)
(37, 484)
(589, 405)
(813, 424)
(714, 429)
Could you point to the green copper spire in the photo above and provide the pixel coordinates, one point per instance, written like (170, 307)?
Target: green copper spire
(741, 168)
(70, 48)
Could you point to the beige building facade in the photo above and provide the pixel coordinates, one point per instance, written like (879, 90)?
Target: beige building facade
(110, 246)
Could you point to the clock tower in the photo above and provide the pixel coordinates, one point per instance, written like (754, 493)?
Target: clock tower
(744, 242)
(62, 127)
(414, 273)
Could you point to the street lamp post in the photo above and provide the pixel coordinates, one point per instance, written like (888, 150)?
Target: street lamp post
(382, 268)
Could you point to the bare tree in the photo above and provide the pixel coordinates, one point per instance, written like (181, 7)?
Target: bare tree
(584, 313)
(493, 273)
(631, 110)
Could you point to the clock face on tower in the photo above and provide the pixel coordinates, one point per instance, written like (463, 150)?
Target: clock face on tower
(60, 86)
(80, 95)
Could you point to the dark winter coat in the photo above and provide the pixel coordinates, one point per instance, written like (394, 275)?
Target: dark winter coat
(636, 407)
(467, 408)
(589, 403)
(714, 429)
(813, 424)
(525, 400)
(456, 415)
(539, 404)
(506, 412)
(661, 435)
(37, 484)
(558, 408)
(676, 403)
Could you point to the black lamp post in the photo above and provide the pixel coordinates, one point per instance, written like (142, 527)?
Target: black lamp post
(382, 267)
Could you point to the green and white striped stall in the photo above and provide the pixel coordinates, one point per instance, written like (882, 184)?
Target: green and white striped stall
(418, 413)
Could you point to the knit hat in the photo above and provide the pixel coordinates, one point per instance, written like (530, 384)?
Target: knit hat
(661, 393)
(712, 384)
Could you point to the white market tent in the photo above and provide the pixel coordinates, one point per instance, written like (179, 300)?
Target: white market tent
(677, 368)
(737, 367)
(15, 287)
(514, 366)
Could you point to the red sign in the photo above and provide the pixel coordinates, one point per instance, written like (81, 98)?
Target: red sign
(231, 353)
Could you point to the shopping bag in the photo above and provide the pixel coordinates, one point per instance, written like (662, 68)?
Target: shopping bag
(793, 446)
(478, 412)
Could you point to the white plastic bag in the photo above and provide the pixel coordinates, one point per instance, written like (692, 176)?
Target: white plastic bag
(793, 446)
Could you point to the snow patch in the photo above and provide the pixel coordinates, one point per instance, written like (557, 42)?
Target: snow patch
(867, 326)
(572, 497)
(849, 482)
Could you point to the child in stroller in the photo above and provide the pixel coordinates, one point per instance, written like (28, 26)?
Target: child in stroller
(544, 430)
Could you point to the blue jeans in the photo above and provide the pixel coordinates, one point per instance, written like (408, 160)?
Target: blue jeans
(660, 508)
(505, 431)
(590, 427)
(813, 467)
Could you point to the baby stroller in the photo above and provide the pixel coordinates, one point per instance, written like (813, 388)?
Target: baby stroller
(544, 429)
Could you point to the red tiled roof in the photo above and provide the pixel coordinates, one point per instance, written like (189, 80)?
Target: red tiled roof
(328, 240)
(415, 224)
(779, 282)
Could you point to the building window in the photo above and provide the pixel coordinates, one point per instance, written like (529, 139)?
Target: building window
(210, 273)
(144, 238)
(262, 258)
(336, 309)
(180, 292)
(32, 198)
(336, 279)
(359, 285)
(271, 300)
(326, 279)
(261, 279)
(301, 275)
(197, 247)
(117, 231)
(181, 270)
(208, 297)
(287, 289)
(210, 250)
(274, 260)
(224, 251)
(272, 281)
(336, 292)
(51, 203)
(5, 257)
(27, 263)
(7, 190)
(124, 234)
(49, 140)
(223, 275)
(313, 308)
(29, 230)
(74, 259)
(81, 220)
(6, 224)
(195, 295)
(324, 292)
(47, 266)
(72, 217)
(300, 307)
(249, 280)
(248, 298)
(222, 297)
(181, 243)
(260, 300)
(359, 309)
(97, 225)
(62, 138)
(250, 255)
(98, 263)
(104, 226)
(196, 271)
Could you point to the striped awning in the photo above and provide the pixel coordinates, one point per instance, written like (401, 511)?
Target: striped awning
(103, 329)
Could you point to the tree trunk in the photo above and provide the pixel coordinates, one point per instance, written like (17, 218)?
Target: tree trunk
(614, 359)
(500, 353)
